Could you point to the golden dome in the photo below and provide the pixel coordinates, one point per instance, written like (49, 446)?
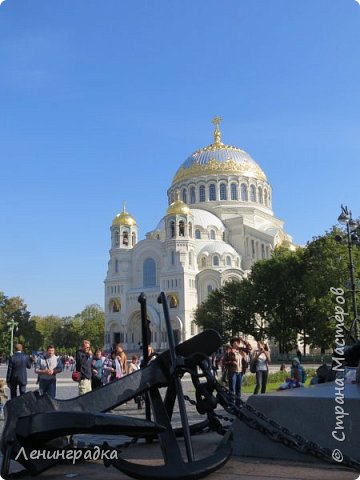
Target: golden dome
(124, 218)
(218, 159)
(178, 207)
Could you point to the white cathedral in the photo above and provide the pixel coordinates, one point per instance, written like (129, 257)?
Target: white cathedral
(218, 223)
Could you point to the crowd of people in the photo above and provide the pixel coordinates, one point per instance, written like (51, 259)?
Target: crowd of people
(90, 369)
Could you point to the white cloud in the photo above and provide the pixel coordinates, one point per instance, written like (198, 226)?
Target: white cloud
(2, 1)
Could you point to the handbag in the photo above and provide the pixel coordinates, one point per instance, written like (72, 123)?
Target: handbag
(76, 376)
(253, 363)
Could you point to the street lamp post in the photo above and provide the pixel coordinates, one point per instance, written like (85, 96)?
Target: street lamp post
(12, 325)
(352, 238)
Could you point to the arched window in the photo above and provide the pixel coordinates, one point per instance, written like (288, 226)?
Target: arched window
(212, 192)
(202, 193)
(216, 261)
(190, 259)
(133, 238)
(172, 229)
(192, 195)
(190, 229)
(252, 193)
(265, 197)
(149, 273)
(260, 195)
(263, 251)
(184, 196)
(244, 192)
(269, 199)
(233, 191)
(181, 228)
(116, 265)
(212, 235)
(209, 288)
(116, 238)
(228, 261)
(125, 238)
(172, 257)
(203, 262)
(223, 195)
(197, 234)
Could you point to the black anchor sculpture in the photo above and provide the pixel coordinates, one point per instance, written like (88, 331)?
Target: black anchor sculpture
(34, 422)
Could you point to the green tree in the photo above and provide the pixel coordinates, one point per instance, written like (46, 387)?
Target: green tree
(92, 320)
(14, 308)
(326, 266)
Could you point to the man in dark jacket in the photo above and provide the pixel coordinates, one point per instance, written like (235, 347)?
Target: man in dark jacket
(83, 359)
(16, 373)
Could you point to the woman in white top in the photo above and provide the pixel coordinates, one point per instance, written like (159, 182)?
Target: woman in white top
(262, 359)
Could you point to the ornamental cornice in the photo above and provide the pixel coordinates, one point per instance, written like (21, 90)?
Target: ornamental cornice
(214, 167)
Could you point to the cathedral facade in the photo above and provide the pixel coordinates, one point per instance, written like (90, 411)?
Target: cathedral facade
(218, 223)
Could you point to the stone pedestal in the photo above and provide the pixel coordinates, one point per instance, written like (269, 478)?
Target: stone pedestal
(314, 413)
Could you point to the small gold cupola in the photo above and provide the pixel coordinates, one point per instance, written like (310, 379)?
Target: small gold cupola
(124, 218)
(178, 207)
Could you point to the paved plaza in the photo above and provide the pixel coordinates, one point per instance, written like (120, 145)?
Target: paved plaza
(237, 468)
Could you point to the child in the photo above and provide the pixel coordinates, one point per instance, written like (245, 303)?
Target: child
(3, 398)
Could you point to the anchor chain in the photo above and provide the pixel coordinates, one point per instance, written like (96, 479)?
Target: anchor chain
(276, 432)
(255, 419)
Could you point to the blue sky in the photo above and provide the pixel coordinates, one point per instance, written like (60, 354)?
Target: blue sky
(101, 102)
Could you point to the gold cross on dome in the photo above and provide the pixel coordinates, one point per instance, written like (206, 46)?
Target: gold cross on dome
(217, 134)
(217, 120)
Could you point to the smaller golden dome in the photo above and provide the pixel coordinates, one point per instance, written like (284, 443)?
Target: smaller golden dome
(124, 218)
(178, 207)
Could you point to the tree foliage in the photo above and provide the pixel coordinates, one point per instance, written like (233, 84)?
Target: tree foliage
(37, 332)
(285, 297)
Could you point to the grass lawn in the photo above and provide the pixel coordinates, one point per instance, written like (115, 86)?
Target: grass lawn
(270, 387)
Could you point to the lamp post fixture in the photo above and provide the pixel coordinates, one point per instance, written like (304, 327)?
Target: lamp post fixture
(12, 325)
(351, 238)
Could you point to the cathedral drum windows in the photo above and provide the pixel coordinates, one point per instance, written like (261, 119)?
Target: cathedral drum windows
(212, 192)
(197, 234)
(212, 235)
(265, 197)
(181, 228)
(252, 193)
(223, 195)
(234, 191)
(202, 193)
(216, 261)
(184, 195)
(260, 195)
(192, 195)
(244, 192)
